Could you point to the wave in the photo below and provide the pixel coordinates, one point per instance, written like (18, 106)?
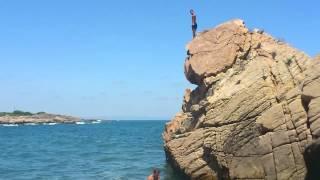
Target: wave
(31, 124)
(48, 124)
(80, 123)
(10, 125)
(96, 122)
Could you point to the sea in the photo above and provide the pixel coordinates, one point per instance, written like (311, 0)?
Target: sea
(110, 150)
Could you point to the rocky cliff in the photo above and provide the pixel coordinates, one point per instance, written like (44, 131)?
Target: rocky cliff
(255, 109)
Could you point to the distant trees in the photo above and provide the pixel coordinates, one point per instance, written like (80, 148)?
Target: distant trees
(21, 113)
(18, 113)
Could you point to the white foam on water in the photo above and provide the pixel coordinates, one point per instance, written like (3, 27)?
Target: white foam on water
(96, 122)
(80, 123)
(30, 124)
(49, 124)
(10, 125)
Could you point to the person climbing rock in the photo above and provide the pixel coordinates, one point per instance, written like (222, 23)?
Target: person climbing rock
(155, 175)
(194, 23)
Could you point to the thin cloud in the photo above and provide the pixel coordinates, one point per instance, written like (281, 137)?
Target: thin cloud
(119, 83)
(147, 92)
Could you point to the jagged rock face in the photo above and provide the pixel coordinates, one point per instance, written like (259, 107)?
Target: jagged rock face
(256, 107)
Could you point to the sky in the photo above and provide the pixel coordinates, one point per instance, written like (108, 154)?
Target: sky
(122, 59)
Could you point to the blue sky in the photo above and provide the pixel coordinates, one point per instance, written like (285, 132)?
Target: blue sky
(122, 59)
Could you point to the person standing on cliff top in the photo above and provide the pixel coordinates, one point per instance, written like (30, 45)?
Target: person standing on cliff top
(155, 175)
(194, 23)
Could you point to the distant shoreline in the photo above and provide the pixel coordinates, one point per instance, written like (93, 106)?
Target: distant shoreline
(20, 117)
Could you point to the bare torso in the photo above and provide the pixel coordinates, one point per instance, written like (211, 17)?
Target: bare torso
(151, 177)
(194, 19)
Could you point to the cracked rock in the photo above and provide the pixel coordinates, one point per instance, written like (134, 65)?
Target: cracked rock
(254, 112)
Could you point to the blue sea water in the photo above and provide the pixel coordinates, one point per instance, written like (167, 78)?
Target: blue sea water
(111, 150)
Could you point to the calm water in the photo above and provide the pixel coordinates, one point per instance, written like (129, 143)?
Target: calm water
(115, 150)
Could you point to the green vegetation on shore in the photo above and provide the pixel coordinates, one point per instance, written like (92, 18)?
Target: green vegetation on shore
(19, 113)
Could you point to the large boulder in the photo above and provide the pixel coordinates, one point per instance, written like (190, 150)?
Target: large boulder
(256, 107)
(214, 51)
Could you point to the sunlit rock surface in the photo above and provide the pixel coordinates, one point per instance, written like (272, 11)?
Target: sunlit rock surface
(255, 109)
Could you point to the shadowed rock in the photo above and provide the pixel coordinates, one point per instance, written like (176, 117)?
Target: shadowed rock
(312, 159)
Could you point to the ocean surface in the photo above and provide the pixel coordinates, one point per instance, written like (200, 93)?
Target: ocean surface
(111, 150)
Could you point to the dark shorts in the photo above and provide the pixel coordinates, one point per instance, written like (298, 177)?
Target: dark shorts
(194, 27)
